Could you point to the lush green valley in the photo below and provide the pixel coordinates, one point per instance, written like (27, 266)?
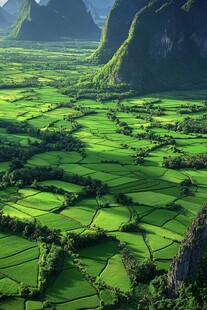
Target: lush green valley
(96, 196)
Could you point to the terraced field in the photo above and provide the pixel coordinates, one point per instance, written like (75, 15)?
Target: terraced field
(145, 206)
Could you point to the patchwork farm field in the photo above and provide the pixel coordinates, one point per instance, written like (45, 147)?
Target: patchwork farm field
(92, 193)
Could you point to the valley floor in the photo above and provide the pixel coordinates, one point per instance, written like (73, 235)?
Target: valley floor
(122, 144)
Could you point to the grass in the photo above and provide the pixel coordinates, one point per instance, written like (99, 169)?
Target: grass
(107, 297)
(69, 187)
(157, 242)
(26, 272)
(19, 258)
(101, 251)
(12, 303)
(120, 216)
(176, 226)
(67, 287)
(152, 198)
(57, 220)
(33, 305)
(90, 302)
(54, 158)
(93, 266)
(135, 243)
(159, 217)
(115, 274)
(14, 245)
(82, 212)
(37, 201)
(8, 287)
(160, 231)
(168, 252)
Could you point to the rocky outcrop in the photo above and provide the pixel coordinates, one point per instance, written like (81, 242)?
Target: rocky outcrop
(166, 48)
(187, 262)
(58, 19)
(116, 28)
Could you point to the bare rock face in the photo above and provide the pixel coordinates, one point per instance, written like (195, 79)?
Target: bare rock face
(187, 262)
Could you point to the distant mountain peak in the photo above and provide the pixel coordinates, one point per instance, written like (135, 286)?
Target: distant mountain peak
(58, 19)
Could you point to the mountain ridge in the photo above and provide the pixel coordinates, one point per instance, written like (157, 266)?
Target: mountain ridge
(166, 48)
(116, 28)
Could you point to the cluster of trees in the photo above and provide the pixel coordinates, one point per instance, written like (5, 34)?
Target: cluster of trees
(189, 125)
(74, 242)
(51, 263)
(176, 207)
(88, 89)
(192, 295)
(123, 199)
(30, 230)
(83, 111)
(147, 108)
(149, 135)
(138, 273)
(60, 140)
(127, 201)
(194, 108)
(123, 127)
(50, 141)
(132, 225)
(198, 161)
(27, 82)
(11, 152)
(32, 175)
(185, 186)
(140, 155)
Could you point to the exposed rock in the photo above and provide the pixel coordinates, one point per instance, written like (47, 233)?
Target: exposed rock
(187, 262)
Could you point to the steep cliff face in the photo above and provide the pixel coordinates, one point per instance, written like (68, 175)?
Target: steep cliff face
(187, 262)
(58, 19)
(166, 48)
(116, 28)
